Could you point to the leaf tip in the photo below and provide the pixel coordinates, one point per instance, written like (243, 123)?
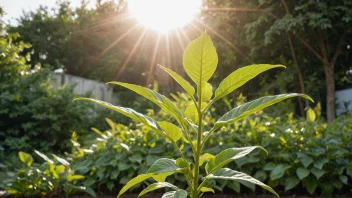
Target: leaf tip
(260, 147)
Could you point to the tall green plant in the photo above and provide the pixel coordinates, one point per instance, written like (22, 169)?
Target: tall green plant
(200, 62)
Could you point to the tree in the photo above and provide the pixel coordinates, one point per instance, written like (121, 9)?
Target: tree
(321, 27)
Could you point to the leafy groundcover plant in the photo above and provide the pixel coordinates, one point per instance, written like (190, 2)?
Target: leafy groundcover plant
(200, 61)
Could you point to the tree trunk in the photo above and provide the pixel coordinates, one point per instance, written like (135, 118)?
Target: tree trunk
(330, 90)
(300, 78)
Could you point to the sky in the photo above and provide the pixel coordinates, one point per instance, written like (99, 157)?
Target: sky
(14, 8)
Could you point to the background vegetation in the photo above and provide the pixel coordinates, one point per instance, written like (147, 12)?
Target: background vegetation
(306, 155)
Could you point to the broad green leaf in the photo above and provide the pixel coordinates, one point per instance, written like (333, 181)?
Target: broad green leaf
(157, 186)
(171, 130)
(248, 108)
(291, 182)
(200, 59)
(227, 156)
(207, 91)
(134, 115)
(26, 158)
(311, 115)
(279, 171)
(184, 84)
(175, 194)
(269, 167)
(191, 112)
(344, 179)
(205, 157)
(317, 172)
(228, 174)
(310, 184)
(206, 189)
(260, 175)
(133, 182)
(163, 165)
(306, 161)
(302, 173)
(239, 77)
(163, 102)
(161, 177)
(320, 163)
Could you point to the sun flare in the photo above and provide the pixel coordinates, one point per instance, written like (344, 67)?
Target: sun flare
(164, 15)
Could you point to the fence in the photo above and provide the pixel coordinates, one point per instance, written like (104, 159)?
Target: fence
(99, 90)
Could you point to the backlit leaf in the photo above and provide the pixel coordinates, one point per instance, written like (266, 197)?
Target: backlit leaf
(171, 130)
(184, 84)
(26, 158)
(239, 77)
(228, 174)
(200, 59)
(157, 186)
(248, 108)
(227, 156)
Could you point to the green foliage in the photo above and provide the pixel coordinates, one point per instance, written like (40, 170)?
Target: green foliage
(52, 178)
(34, 115)
(200, 61)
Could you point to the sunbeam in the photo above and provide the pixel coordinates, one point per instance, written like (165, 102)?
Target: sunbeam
(152, 63)
(131, 54)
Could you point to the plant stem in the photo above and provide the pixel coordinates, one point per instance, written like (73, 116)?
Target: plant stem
(198, 150)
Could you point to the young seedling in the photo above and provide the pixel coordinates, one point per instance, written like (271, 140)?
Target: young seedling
(199, 61)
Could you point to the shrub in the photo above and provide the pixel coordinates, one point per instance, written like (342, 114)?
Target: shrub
(52, 178)
(34, 115)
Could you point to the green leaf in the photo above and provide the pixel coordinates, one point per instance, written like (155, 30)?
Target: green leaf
(157, 186)
(133, 182)
(163, 102)
(134, 115)
(317, 172)
(171, 130)
(306, 161)
(200, 59)
(279, 171)
(74, 177)
(227, 156)
(344, 179)
(269, 167)
(310, 184)
(207, 91)
(311, 115)
(248, 108)
(260, 175)
(163, 165)
(320, 163)
(239, 77)
(175, 194)
(290, 183)
(228, 174)
(26, 158)
(205, 157)
(302, 173)
(184, 84)
(206, 189)
(191, 112)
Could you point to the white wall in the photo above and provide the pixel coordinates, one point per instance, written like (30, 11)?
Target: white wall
(341, 97)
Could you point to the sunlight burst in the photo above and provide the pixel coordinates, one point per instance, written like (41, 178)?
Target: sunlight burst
(164, 15)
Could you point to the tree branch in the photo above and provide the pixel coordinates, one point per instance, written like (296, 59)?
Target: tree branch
(338, 49)
(304, 42)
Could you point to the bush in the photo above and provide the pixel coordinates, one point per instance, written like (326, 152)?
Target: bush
(34, 115)
(52, 178)
(304, 156)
